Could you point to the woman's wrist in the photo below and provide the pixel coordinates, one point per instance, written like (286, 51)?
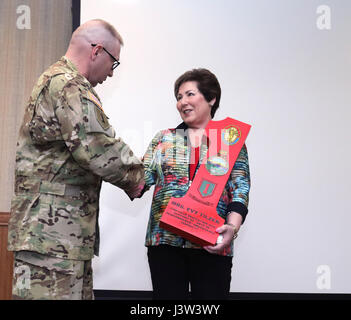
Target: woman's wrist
(235, 229)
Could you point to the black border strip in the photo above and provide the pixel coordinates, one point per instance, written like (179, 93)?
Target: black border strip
(75, 14)
(147, 295)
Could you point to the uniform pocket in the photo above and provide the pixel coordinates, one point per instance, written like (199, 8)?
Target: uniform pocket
(63, 266)
(21, 208)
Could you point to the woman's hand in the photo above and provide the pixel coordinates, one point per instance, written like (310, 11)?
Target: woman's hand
(227, 232)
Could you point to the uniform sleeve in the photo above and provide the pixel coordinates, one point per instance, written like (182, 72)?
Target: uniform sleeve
(152, 160)
(91, 140)
(239, 184)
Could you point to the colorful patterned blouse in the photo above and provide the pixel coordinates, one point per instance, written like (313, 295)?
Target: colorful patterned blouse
(166, 164)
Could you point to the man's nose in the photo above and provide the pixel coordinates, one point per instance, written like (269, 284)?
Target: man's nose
(111, 73)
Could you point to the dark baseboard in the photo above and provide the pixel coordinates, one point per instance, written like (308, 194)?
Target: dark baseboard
(147, 295)
(122, 295)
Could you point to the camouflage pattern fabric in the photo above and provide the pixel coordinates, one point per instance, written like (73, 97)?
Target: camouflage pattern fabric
(39, 277)
(66, 147)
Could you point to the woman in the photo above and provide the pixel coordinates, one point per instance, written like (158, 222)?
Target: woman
(171, 162)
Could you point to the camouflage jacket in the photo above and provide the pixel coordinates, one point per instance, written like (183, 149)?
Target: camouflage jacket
(65, 149)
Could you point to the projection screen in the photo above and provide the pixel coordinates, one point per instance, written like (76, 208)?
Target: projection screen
(284, 67)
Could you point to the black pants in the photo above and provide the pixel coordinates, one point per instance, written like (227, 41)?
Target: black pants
(173, 269)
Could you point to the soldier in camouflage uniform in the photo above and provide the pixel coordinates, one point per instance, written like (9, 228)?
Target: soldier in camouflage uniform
(66, 148)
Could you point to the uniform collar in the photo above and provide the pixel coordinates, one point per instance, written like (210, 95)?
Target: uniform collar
(74, 69)
(69, 64)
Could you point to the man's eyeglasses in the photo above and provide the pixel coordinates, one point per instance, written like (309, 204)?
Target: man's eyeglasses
(116, 63)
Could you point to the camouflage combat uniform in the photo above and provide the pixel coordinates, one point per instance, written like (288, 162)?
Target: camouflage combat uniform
(66, 148)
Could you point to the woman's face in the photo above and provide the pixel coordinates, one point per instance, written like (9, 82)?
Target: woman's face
(192, 106)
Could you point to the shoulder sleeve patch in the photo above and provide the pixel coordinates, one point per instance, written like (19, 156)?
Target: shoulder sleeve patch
(101, 118)
(97, 120)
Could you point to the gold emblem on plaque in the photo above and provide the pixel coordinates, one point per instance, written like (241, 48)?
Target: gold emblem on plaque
(231, 135)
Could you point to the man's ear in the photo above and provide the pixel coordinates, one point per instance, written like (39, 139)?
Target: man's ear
(95, 52)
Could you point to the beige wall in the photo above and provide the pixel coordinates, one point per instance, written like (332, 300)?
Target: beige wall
(32, 37)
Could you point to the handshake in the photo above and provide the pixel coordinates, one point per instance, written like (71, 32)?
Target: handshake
(132, 179)
(137, 191)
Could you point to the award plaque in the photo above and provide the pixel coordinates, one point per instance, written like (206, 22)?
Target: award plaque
(194, 216)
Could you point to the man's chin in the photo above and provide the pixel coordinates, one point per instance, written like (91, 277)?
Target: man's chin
(95, 83)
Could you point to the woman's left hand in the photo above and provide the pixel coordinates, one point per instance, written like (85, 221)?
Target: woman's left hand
(227, 233)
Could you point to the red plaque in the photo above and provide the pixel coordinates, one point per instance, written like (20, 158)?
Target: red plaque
(194, 216)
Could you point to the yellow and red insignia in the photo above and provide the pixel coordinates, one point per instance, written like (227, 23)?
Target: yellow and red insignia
(231, 134)
(93, 98)
(99, 112)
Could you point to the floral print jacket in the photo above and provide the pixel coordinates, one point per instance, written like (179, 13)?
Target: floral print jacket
(166, 164)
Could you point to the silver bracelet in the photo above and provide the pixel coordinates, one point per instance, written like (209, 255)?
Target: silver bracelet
(235, 230)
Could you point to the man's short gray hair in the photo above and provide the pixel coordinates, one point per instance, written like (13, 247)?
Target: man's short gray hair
(109, 27)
